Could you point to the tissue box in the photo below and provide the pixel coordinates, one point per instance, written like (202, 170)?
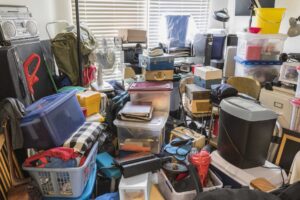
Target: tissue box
(208, 73)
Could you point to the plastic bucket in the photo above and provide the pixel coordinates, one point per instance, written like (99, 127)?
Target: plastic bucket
(269, 19)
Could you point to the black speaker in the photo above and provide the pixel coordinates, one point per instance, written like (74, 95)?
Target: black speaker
(12, 78)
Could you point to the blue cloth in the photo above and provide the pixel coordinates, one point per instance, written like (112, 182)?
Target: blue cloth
(177, 29)
(59, 163)
(109, 196)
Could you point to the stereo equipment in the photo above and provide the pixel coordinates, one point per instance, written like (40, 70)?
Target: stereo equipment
(16, 23)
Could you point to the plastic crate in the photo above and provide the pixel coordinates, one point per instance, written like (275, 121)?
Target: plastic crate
(51, 120)
(260, 46)
(263, 71)
(64, 182)
(146, 136)
(169, 192)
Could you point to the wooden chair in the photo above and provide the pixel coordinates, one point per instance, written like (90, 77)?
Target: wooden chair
(248, 86)
(10, 173)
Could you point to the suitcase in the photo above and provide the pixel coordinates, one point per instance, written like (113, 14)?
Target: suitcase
(12, 78)
(164, 62)
(158, 75)
(206, 83)
(194, 92)
(278, 100)
(186, 133)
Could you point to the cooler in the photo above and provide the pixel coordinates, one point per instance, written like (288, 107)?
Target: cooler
(245, 132)
(263, 71)
(235, 177)
(51, 120)
(142, 136)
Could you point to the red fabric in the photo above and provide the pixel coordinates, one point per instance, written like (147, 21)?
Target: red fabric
(64, 153)
(201, 161)
(89, 74)
(31, 78)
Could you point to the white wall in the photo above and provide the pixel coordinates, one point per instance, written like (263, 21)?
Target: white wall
(44, 11)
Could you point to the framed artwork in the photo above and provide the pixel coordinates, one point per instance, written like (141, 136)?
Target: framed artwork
(242, 6)
(289, 146)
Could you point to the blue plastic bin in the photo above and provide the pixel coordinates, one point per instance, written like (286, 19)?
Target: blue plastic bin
(51, 120)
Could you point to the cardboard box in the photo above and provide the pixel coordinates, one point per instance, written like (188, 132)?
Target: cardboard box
(208, 73)
(133, 35)
(195, 92)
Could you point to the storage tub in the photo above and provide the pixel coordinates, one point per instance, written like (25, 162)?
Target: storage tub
(64, 182)
(298, 84)
(169, 192)
(142, 136)
(158, 93)
(51, 120)
(260, 46)
(90, 100)
(235, 177)
(263, 71)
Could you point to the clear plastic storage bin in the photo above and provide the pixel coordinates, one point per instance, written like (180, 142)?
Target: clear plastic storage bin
(263, 71)
(298, 84)
(158, 93)
(64, 182)
(169, 192)
(142, 136)
(260, 46)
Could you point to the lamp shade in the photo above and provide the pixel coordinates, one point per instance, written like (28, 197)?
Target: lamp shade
(294, 29)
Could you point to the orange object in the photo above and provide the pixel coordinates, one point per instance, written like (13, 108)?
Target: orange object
(133, 147)
(31, 78)
(201, 161)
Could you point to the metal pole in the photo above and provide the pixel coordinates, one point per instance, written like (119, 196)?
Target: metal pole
(78, 43)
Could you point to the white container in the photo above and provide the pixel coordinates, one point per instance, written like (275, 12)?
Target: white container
(295, 121)
(242, 177)
(261, 72)
(208, 73)
(260, 46)
(144, 136)
(169, 192)
(136, 187)
(298, 84)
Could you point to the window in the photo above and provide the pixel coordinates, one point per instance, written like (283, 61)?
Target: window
(106, 17)
(199, 9)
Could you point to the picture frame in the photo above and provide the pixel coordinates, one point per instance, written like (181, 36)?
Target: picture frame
(289, 146)
(288, 72)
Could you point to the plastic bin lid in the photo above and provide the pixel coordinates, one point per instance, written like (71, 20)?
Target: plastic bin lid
(151, 86)
(246, 109)
(257, 62)
(157, 122)
(246, 35)
(47, 104)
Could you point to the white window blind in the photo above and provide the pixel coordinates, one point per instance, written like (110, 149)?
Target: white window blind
(198, 9)
(106, 17)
